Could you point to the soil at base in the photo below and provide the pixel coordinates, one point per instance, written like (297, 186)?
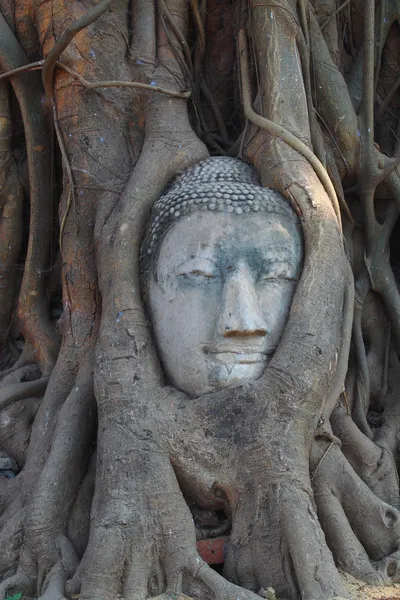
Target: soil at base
(357, 590)
(361, 591)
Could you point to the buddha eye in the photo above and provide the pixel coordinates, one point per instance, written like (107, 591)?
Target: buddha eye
(199, 274)
(277, 270)
(198, 269)
(277, 275)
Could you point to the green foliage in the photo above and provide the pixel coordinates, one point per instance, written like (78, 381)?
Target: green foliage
(15, 597)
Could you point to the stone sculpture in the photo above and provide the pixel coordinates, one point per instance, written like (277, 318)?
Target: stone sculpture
(219, 264)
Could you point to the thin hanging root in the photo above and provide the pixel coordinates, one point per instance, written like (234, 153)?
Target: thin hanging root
(130, 84)
(94, 85)
(47, 78)
(178, 35)
(11, 204)
(336, 12)
(32, 306)
(19, 70)
(387, 100)
(367, 111)
(201, 84)
(278, 131)
(194, 5)
(362, 386)
(66, 38)
(323, 154)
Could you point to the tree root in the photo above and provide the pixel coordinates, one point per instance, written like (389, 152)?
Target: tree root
(95, 85)
(142, 538)
(24, 373)
(149, 564)
(64, 470)
(20, 391)
(11, 201)
(32, 305)
(66, 38)
(79, 517)
(15, 428)
(282, 133)
(27, 357)
(16, 583)
(54, 584)
(372, 463)
(362, 531)
(175, 597)
(251, 563)
(18, 491)
(11, 539)
(23, 581)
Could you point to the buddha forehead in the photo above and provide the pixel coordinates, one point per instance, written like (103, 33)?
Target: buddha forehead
(226, 239)
(221, 187)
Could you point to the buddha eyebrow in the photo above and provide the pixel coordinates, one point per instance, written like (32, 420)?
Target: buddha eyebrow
(197, 257)
(203, 247)
(200, 255)
(285, 258)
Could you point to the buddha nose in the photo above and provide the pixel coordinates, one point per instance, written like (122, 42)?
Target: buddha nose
(240, 313)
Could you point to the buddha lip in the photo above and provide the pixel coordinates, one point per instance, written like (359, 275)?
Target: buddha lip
(230, 348)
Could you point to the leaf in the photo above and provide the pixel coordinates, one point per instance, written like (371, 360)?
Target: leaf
(17, 596)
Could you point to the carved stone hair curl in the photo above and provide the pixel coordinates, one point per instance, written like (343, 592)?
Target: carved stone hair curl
(217, 184)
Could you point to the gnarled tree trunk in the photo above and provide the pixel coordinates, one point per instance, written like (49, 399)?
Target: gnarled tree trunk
(101, 106)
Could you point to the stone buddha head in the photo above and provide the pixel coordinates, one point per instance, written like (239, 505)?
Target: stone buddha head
(219, 265)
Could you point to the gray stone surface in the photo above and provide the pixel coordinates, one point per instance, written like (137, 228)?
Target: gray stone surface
(220, 281)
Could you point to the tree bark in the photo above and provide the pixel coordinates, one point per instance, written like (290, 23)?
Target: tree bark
(113, 462)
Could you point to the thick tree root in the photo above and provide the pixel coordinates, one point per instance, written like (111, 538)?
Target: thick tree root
(15, 428)
(54, 584)
(26, 372)
(27, 357)
(250, 561)
(17, 583)
(362, 531)
(11, 538)
(20, 391)
(79, 517)
(372, 463)
(10, 226)
(177, 568)
(62, 474)
(32, 305)
(23, 581)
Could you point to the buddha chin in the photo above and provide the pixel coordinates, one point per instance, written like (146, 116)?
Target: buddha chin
(227, 371)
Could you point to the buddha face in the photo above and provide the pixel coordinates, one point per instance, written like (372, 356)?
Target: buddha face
(219, 296)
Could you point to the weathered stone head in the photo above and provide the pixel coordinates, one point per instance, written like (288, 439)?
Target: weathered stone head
(219, 265)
